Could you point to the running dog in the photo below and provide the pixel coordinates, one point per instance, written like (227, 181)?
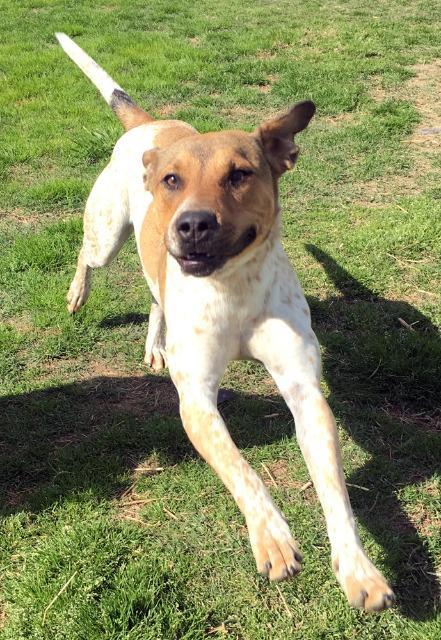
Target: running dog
(205, 212)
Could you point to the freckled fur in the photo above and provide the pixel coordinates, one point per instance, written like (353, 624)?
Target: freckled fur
(252, 307)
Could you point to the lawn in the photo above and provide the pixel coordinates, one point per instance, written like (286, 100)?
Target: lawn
(112, 527)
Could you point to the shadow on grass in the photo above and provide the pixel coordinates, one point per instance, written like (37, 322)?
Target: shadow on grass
(123, 320)
(384, 382)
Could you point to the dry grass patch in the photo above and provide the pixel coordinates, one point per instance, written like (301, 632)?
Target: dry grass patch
(423, 91)
(17, 217)
(136, 393)
(426, 523)
(168, 110)
(279, 475)
(265, 85)
(347, 117)
(130, 503)
(426, 421)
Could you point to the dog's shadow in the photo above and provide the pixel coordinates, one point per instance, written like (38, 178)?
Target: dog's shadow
(384, 380)
(382, 364)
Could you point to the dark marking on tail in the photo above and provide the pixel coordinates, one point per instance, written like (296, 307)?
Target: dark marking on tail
(128, 111)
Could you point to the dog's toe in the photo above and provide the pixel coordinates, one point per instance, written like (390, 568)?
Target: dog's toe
(276, 552)
(363, 584)
(77, 295)
(156, 359)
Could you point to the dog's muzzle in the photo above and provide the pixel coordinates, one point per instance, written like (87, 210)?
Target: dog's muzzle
(203, 246)
(196, 231)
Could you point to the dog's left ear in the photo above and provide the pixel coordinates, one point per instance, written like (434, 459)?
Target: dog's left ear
(148, 160)
(277, 136)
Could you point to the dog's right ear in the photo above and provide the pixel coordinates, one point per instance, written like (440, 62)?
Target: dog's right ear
(277, 136)
(148, 160)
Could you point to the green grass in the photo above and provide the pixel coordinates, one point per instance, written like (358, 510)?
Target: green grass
(83, 422)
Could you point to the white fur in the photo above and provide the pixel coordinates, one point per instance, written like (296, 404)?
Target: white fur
(103, 82)
(252, 308)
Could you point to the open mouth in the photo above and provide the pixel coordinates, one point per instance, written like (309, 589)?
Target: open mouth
(200, 264)
(203, 263)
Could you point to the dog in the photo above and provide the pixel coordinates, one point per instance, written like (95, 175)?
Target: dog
(205, 212)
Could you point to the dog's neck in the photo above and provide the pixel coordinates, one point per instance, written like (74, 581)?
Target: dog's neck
(243, 284)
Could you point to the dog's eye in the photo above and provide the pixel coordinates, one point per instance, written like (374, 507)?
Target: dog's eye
(171, 181)
(237, 176)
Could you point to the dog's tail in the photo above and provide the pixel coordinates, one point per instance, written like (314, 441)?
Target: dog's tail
(120, 102)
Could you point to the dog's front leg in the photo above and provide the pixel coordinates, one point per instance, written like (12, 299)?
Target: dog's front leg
(292, 357)
(197, 379)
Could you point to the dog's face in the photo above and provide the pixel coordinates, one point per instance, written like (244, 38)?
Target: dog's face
(215, 194)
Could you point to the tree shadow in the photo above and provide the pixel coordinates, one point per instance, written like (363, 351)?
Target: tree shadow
(382, 364)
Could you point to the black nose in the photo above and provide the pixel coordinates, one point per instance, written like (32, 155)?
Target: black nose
(196, 226)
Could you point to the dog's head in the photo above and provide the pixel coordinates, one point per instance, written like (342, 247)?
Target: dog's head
(215, 194)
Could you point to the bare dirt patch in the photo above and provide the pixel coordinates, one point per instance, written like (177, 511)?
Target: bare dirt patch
(23, 324)
(130, 503)
(339, 119)
(265, 54)
(238, 115)
(168, 110)
(19, 217)
(265, 85)
(2, 616)
(423, 91)
(278, 474)
(135, 393)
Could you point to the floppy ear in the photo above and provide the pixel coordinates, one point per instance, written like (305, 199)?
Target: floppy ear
(277, 136)
(148, 160)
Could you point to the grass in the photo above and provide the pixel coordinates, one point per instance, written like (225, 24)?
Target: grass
(99, 485)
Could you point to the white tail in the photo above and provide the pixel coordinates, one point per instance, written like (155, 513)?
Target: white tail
(103, 82)
(121, 103)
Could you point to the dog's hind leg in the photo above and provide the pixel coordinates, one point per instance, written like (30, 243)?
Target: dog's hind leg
(155, 356)
(80, 285)
(106, 228)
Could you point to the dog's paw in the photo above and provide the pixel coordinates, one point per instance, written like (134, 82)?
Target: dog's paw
(275, 550)
(362, 583)
(156, 359)
(77, 295)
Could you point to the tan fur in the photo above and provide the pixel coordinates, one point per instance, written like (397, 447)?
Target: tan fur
(153, 250)
(249, 305)
(132, 116)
